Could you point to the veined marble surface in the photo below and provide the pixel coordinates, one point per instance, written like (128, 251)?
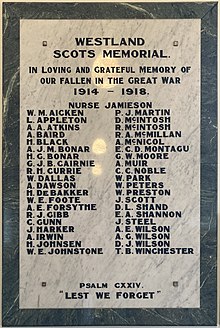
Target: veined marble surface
(205, 315)
(155, 273)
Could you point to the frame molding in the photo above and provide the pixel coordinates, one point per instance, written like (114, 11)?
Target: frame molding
(207, 313)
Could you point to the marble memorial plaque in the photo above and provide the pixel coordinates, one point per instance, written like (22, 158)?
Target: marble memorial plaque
(112, 158)
(110, 163)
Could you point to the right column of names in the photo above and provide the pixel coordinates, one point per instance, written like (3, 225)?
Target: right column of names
(147, 140)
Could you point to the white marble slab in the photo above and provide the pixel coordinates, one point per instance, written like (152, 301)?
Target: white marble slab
(155, 273)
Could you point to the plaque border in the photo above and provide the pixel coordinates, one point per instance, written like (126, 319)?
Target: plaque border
(206, 315)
